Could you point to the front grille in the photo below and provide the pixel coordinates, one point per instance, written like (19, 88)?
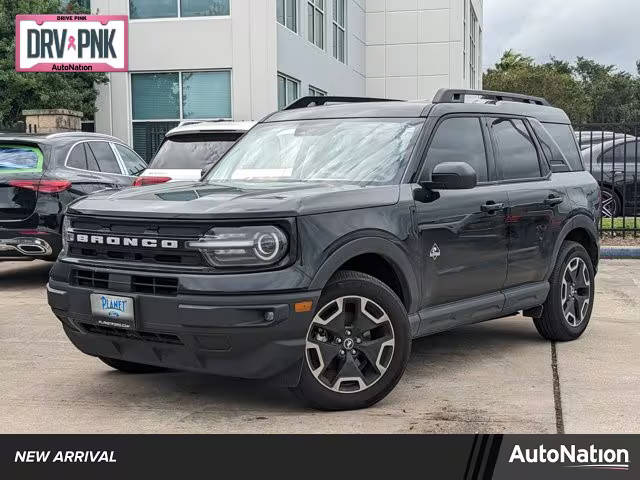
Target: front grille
(132, 334)
(91, 279)
(155, 285)
(180, 257)
(166, 286)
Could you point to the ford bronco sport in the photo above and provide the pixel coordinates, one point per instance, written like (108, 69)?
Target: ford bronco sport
(331, 235)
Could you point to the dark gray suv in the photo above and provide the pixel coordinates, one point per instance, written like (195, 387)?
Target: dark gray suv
(331, 235)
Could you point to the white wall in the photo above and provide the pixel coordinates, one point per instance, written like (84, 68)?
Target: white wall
(414, 47)
(244, 42)
(302, 60)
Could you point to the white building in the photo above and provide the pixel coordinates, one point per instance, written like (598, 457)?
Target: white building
(242, 59)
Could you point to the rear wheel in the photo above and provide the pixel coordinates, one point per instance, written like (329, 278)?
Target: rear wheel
(568, 308)
(357, 344)
(130, 367)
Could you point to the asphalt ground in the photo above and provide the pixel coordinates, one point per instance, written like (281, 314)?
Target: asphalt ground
(493, 377)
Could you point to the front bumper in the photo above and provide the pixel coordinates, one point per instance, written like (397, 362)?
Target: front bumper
(258, 336)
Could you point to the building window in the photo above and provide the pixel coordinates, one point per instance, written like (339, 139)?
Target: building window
(315, 22)
(473, 49)
(316, 92)
(177, 8)
(159, 101)
(339, 29)
(287, 13)
(464, 37)
(288, 90)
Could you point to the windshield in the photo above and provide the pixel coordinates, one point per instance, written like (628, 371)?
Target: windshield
(193, 151)
(367, 151)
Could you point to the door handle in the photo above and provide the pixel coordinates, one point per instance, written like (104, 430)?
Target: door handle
(553, 200)
(492, 207)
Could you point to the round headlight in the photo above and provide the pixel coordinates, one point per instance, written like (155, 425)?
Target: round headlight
(267, 246)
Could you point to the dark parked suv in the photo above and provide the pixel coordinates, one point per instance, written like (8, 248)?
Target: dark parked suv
(331, 235)
(41, 174)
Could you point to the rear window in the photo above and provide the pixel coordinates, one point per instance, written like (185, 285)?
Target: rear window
(20, 159)
(193, 151)
(566, 140)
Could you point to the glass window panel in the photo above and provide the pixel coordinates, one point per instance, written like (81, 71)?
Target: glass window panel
(459, 140)
(133, 163)
(292, 14)
(148, 136)
(77, 158)
(319, 30)
(518, 156)
(565, 139)
(310, 10)
(155, 96)
(335, 10)
(280, 11)
(104, 156)
(206, 94)
(292, 91)
(204, 8)
(282, 92)
(152, 9)
(341, 45)
(341, 12)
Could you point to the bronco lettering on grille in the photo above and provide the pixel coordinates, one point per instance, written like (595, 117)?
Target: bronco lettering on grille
(123, 241)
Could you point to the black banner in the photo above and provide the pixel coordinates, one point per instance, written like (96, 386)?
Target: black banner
(349, 456)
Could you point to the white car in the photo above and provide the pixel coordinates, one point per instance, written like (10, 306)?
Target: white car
(189, 148)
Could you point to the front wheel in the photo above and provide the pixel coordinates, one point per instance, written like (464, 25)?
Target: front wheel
(357, 345)
(567, 311)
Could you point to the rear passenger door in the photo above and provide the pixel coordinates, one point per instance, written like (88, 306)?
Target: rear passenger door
(535, 203)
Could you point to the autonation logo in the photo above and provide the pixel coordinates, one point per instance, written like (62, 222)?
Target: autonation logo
(574, 457)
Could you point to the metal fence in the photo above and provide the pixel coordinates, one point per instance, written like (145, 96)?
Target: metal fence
(611, 152)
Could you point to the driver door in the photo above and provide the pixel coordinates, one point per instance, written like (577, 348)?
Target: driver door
(463, 232)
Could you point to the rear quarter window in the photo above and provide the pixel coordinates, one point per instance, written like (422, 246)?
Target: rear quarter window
(20, 159)
(566, 140)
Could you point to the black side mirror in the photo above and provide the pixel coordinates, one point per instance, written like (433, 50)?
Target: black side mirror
(452, 176)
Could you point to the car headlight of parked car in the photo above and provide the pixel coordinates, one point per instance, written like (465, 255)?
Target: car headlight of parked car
(251, 246)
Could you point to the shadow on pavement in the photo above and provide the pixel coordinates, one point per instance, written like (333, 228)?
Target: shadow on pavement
(16, 275)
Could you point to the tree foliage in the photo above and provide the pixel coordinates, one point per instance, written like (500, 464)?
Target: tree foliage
(27, 90)
(588, 91)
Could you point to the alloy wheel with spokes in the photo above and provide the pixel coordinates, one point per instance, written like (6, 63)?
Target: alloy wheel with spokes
(350, 344)
(575, 292)
(609, 204)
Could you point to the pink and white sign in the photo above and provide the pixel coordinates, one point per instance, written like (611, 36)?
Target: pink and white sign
(72, 43)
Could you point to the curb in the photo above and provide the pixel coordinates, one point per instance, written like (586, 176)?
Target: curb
(620, 252)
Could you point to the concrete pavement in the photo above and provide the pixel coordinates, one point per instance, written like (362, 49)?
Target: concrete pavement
(494, 377)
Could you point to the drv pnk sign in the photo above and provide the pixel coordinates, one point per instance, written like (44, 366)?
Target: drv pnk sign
(72, 43)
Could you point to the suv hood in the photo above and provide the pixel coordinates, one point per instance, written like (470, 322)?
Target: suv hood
(196, 200)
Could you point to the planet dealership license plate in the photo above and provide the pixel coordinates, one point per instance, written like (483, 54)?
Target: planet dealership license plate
(113, 311)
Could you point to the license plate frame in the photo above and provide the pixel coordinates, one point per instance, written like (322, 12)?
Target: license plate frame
(113, 310)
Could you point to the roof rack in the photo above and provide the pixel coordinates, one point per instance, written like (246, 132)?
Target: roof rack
(451, 95)
(305, 102)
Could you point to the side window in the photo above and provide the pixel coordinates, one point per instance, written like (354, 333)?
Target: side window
(622, 154)
(550, 148)
(566, 140)
(459, 140)
(105, 160)
(517, 152)
(132, 161)
(77, 158)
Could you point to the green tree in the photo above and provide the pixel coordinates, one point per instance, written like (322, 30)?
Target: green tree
(27, 90)
(588, 91)
(553, 81)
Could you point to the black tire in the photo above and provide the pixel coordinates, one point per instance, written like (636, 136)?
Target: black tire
(611, 203)
(130, 367)
(364, 290)
(553, 325)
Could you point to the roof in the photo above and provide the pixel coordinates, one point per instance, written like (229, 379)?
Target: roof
(445, 102)
(52, 138)
(202, 127)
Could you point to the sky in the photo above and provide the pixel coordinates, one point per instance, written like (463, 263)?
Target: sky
(607, 31)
